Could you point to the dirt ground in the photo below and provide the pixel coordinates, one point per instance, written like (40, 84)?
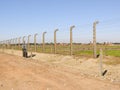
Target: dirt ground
(17, 73)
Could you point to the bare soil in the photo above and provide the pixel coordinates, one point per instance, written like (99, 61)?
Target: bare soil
(47, 73)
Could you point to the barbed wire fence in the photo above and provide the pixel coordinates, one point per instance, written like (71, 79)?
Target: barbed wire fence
(69, 42)
(79, 40)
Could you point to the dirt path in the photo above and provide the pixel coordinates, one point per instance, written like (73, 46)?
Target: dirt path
(17, 73)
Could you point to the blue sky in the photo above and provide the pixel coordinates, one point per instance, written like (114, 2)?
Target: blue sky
(24, 17)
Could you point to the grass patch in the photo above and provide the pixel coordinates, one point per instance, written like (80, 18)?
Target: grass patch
(78, 50)
(115, 53)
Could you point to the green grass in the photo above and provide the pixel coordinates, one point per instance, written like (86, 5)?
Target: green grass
(82, 52)
(115, 53)
(86, 50)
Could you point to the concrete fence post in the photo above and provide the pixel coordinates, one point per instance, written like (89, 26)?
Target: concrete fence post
(23, 39)
(35, 42)
(71, 28)
(101, 66)
(10, 43)
(15, 43)
(28, 43)
(94, 39)
(0, 44)
(55, 41)
(43, 48)
(6, 42)
(19, 41)
(3, 46)
(12, 46)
